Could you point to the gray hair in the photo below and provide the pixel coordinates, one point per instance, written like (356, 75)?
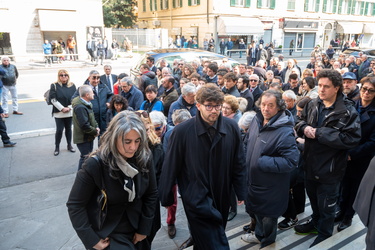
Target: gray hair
(158, 117)
(279, 100)
(246, 119)
(188, 88)
(290, 94)
(195, 63)
(167, 69)
(180, 115)
(120, 125)
(128, 80)
(84, 90)
(254, 75)
(242, 104)
(94, 72)
(5, 58)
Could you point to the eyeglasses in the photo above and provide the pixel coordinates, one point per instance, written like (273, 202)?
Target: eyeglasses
(142, 113)
(158, 128)
(370, 91)
(95, 77)
(252, 80)
(210, 107)
(63, 75)
(180, 64)
(124, 86)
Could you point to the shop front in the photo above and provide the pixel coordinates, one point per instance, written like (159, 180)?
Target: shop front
(299, 36)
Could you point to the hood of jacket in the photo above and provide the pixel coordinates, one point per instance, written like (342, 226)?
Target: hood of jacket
(281, 119)
(150, 74)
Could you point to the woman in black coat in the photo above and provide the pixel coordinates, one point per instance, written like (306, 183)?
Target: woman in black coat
(117, 104)
(359, 157)
(124, 163)
(61, 93)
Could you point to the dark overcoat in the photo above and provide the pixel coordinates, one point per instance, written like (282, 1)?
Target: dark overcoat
(205, 172)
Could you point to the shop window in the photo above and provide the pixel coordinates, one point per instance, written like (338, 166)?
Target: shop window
(312, 5)
(291, 5)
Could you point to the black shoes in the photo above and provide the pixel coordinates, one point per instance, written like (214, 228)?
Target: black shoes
(306, 228)
(250, 227)
(344, 224)
(287, 223)
(188, 243)
(9, 144)
(57, 152)
(171, 231)
(71, 149)
(231, 215)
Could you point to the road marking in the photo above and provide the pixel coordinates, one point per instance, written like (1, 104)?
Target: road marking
(27, 100)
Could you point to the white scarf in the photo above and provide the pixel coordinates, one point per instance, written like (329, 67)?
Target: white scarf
(130, 172)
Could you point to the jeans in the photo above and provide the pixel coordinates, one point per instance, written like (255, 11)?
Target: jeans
(85, 149)
(13, 92)
(265, 230)
(62, 123)
(171, 217)
(3, 131)
(323, 198)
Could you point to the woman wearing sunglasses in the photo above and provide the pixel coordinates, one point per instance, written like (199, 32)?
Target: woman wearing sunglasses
(61, 93)
(359, 157)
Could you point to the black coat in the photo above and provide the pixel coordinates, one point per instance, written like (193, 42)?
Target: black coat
(62, 93)
(137, 215)
(103, 79)
(250, 99)
(272, 154)
(205, 172)
(326, 156)
(257, 93)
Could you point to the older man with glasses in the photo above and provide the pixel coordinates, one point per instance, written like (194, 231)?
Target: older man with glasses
(254, 86)
(205, 155)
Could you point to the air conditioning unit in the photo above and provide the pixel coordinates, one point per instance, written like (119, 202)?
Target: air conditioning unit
(156, 23)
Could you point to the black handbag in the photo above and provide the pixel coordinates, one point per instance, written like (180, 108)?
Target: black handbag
(98, 207)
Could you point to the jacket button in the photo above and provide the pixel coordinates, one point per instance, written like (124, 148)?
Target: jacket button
(317, 177)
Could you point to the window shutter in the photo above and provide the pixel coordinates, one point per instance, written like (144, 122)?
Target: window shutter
(259, 3)
(306, 5)
(189, 2)
(272, 4)
(232, 3)
(151, 5)
(317, 6)
(362, 12)
(180, 3)
(373, 9)
(174, 4)
(155, 4)
(247, 3)
(161, 4)
(167, 5)
(339, 11)
(349, 7)
(334, 10)
(324, 6)
(366, 8)
(198, 2)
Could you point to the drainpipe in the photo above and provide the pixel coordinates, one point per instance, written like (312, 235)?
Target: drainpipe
(215, 34)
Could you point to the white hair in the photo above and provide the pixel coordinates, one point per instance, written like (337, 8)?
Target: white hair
(246, 119)
(290, 94)
(188, 88)
(157, 118)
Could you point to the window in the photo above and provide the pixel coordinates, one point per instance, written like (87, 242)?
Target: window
(266, 4)
(144, 5)
(312, 5)
(369, 9)
(240, 3)
(291, 5)
(153, 6)
(356, 8)
(164, 4)
(343, 7)
(177, 3)
(330, 6)
(194, 2)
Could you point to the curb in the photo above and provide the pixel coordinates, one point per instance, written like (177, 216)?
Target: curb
(32, 133)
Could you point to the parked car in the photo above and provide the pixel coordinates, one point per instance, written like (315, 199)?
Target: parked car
(188, 55)
(355, 52)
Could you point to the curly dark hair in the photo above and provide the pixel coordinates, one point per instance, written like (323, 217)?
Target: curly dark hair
(334, 76)
(210, 93)
(118, 99)
(279, 99)
(310, 81)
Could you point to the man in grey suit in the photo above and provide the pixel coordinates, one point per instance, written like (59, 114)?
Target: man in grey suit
(108, 78)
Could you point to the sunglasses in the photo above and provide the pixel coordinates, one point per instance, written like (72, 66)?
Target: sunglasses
(63, 75)
(252, 80)
(370, 91)
(141, 114)
(95, 77)
(180, 64)
(158, 128)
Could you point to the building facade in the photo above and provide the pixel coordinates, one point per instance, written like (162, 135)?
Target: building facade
(306, 22)
(25, 24)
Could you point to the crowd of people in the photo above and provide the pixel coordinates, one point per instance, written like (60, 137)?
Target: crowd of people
(59, 51)
(220, 135)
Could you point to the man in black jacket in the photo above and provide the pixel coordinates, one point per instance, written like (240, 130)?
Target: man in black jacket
(331, 126)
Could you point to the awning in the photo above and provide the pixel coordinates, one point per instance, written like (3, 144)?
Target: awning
(236, 26)
(349, 28)
(369, 28)
(53, 20)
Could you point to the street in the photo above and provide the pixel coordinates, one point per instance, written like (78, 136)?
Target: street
(34, 184)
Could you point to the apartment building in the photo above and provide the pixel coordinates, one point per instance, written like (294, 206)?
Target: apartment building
(307, 22)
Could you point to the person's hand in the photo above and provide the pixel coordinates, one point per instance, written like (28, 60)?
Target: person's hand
(98, 131)
(349, 158)
(300, 140)
(138, 237)
(102, 244)
(239, 203)
(65, 110)
(108, 104)
(310, 132)
(2, 115)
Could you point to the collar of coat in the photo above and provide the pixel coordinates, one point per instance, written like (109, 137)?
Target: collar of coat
(202, 128)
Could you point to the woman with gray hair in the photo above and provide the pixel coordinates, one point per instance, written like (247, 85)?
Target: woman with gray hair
(121, 170)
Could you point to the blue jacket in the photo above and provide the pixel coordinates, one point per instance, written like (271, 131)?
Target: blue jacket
(134, 97)
(47, 48)
(180, 105)
(271, 155)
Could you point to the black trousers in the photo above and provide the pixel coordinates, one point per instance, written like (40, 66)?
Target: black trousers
(3, 132)
(85, 149)
(61, 124)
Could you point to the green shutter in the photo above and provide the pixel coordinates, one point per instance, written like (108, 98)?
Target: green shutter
(259, 4)
(349, 7)
(306, 5)
(161, 4)
(189, 2)
(366, 8)
(272, 5)
(180, 3)
(198, 2)
(232, 3)
(373, 9)
(362, 11)
(174, 4)
(334, 10)
(151, 5)
(324, 6)
(168, 4)
(247, 3)
(317, 6)
(354, 5)
(339, 11)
